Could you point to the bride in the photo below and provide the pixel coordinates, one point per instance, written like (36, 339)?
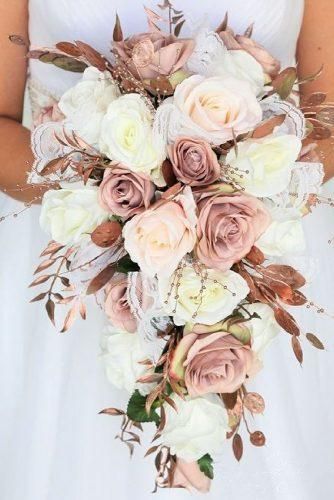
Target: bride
(53, 443)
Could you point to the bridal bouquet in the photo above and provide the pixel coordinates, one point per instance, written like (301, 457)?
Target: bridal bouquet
(179, 174)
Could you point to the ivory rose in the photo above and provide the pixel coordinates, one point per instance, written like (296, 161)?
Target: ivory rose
(150, 55)
(70, 215)
(214, 362)
(160, 237)
(217, 108)
(127, 135)
(283, 237)
(125, 193)
(264, 166)
(85, 104)
(228, 226)
(188, 475)
(116, 305)
(122, 355)
(194, 162)
(222, 292)
(198, 427)
(263, 328)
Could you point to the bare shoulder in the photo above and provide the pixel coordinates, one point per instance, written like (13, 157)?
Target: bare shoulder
(13, 20)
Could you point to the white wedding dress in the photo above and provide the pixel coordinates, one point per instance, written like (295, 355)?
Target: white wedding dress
(54, 445)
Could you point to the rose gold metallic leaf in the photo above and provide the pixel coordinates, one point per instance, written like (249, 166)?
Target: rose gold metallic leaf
(52, 248)
(101, 279)
(69, 48)
(66, 300)
(65, 281)
(249, 31)
(223, 25)
(297, 299)
(41, 296)
(230, 400)
(150, 378)
(151, 450)
(268, 126)
(257, 438)
(255, 256)
(286, 321)
(106, 234)
(44, 265)
(70, 318)
(112, 411)
(254, 402)
(179, 27)
(83, 310)
(313, 339)
(118, 33)
(297, 349)
(52, 166)
(237, 446)
(50, 309)
(40, 280)
(284, 291)
(92, 56)
(168, 173)
(287, 274)
(172, 191)
(171, 403)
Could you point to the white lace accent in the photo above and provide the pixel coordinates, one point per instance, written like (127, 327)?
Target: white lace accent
(208, 49)
(148, 312)
(294, 122)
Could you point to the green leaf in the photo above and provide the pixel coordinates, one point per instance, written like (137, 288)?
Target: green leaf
(136, 409)
(206, 465)
(125, 265)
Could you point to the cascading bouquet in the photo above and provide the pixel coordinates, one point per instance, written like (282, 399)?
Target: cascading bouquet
(181, 169)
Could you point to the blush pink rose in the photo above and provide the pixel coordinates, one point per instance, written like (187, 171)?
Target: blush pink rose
(218, 108)
(150, 55)
(125, 193)
(160, 237)
(194, 162)
(116, 304)
(215, 362)
(228, 226)
(188, 475)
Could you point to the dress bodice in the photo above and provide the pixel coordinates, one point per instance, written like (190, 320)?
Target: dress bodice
(276, 25)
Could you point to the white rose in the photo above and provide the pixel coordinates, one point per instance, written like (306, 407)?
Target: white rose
(264, 166)
(85, 104)
(127, 135)
(70, 215)
(122, 354)
(197, 428)
(263, 330)
(283, 238)
(217, 108)
(241, 65)
(221, 294)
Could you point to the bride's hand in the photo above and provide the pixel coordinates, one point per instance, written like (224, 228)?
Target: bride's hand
(15, 153)
(315, 47)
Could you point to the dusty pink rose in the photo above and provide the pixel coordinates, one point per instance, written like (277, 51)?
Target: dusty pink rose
(270, 65)
(188, 475)
(150, 55)
(116, 304)
(228, 226)
(194, 162)
(214, 362)
(160, 237)
(125, 193)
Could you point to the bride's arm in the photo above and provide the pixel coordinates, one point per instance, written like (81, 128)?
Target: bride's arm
(316, 47)
(15, 154)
